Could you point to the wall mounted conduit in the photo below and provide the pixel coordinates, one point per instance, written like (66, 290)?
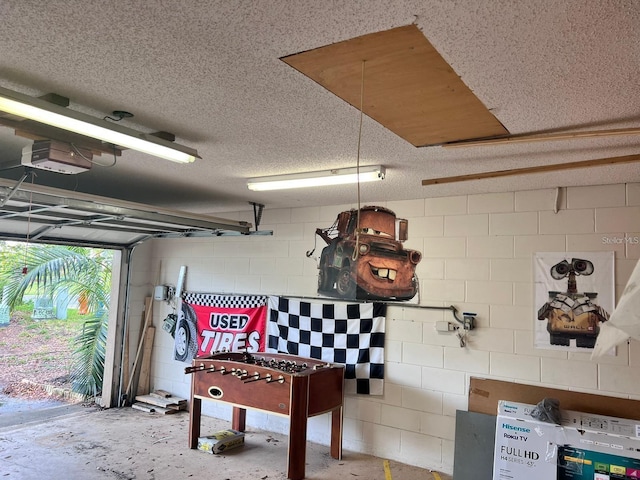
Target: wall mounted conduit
(451, 308)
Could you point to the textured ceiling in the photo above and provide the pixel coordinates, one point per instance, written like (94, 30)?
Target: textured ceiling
(210, 72)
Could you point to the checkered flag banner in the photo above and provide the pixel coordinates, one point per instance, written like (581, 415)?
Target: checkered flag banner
(351, 334)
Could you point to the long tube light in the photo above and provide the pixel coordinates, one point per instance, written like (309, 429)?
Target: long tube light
(48, 113)
(339, 176)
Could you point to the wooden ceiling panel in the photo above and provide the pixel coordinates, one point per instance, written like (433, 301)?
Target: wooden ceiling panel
(408, 87)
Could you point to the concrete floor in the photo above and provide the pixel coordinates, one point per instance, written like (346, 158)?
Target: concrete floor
(126, 444)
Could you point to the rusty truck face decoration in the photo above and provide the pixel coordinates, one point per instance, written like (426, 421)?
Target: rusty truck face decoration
(571, 314)
(364, 257)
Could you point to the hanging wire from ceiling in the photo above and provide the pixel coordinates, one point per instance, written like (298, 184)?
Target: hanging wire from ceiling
(354, 255)
(26, 245)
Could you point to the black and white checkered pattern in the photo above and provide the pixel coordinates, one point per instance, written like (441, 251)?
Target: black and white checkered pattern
(224, 301)
(351, 334)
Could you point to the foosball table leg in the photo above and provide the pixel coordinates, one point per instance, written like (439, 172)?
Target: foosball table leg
(239, 419)
(194, 422)
(298, 429)
(336, 433)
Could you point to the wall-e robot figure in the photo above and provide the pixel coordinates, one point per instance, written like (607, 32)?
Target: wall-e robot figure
(572, 314)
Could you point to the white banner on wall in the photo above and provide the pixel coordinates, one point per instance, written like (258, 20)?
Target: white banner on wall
(574, 294)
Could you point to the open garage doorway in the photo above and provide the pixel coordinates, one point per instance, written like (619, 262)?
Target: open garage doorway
(54, 315)
(38, 214)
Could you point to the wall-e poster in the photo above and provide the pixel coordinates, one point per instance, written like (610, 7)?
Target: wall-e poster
(574, 294)
(364, 257)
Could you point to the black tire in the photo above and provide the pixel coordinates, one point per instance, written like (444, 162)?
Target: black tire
(186, 342)
(325, 279)
(345, 286)
(322, 279)
(182, 340)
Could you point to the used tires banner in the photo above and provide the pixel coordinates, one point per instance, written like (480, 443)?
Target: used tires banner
(209, 323)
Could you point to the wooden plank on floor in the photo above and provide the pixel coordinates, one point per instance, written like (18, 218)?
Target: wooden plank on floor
(174, 403)
(160, 394)
(144, 407)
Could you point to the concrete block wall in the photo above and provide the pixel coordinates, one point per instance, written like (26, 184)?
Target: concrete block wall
(477, 253)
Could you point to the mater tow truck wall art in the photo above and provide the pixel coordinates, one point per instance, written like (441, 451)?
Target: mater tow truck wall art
(574, 294)
(364, 258)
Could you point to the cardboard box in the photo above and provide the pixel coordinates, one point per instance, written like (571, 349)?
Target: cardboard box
(221, 441)
(525, 448)
(584, 447)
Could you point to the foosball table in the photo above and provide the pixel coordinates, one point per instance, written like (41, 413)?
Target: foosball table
(282, 384)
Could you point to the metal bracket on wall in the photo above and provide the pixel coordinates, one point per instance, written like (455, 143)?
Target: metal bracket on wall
(257, 213)
(257, 217)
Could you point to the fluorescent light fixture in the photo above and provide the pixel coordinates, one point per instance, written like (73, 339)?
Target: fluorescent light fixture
(338, 176)
(48, 113)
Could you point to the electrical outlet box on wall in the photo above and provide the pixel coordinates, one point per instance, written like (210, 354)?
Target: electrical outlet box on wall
(444, 327)
(161, 292)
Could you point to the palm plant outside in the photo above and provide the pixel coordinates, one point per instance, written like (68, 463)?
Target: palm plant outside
(79, 273)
